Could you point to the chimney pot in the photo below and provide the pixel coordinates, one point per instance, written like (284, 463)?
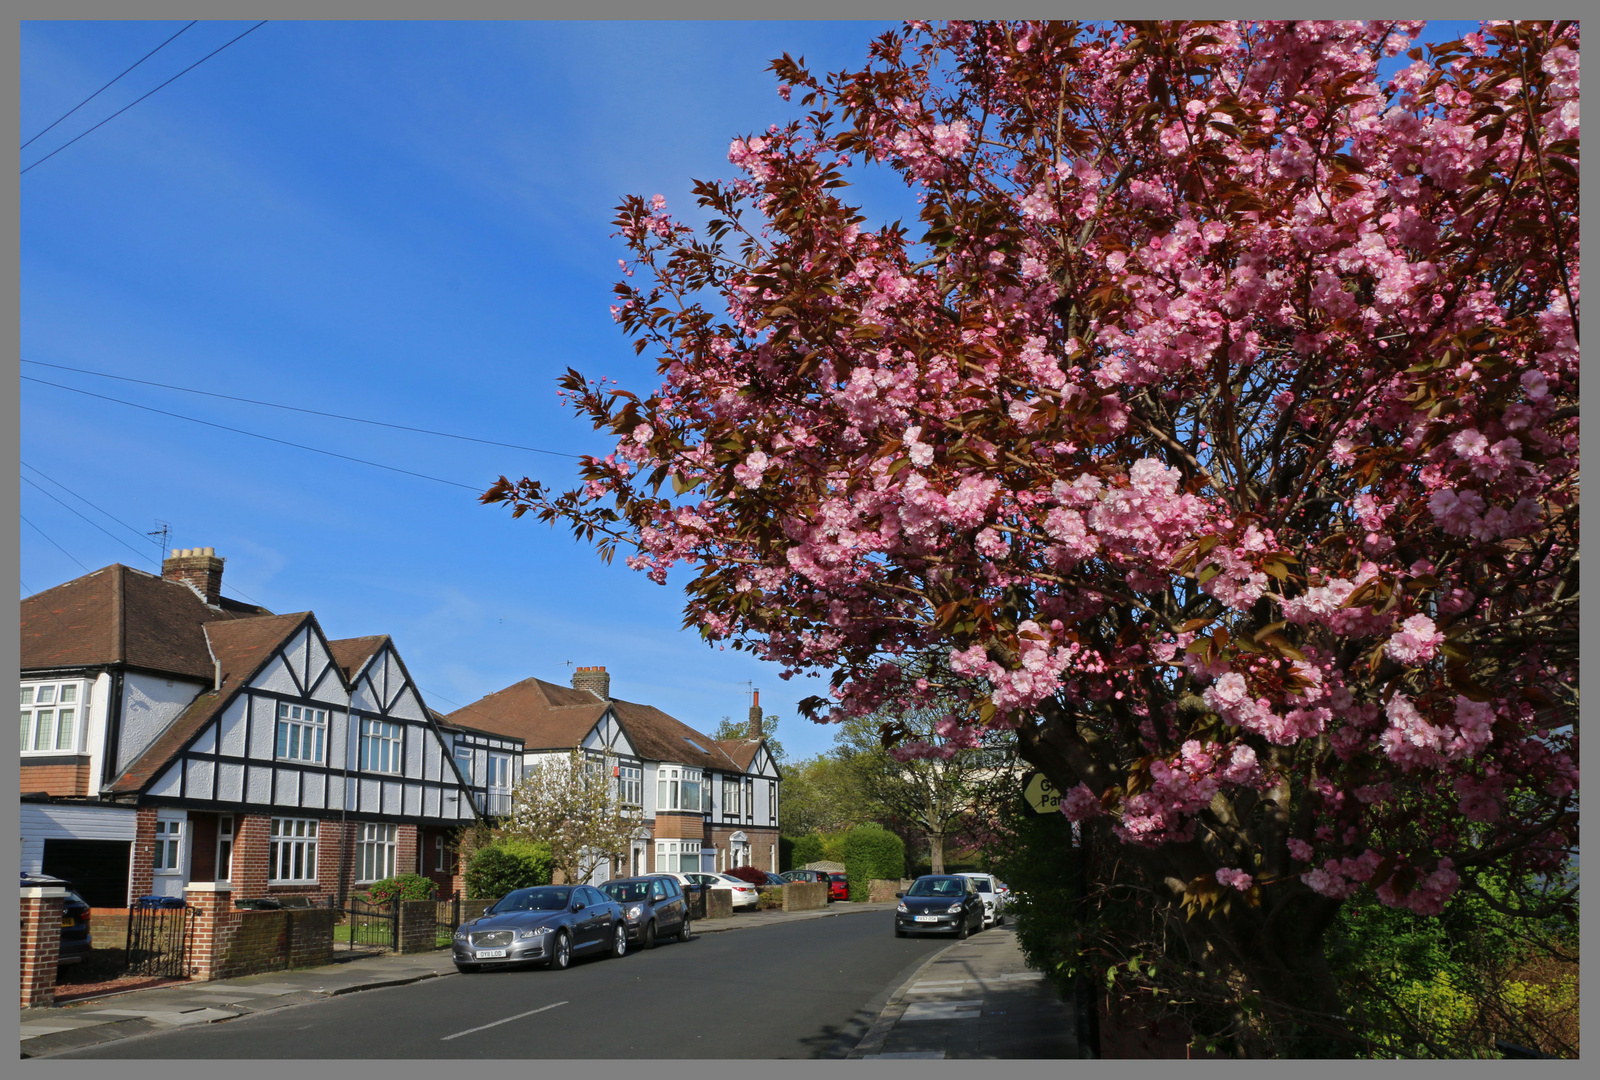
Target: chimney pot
(755, 715)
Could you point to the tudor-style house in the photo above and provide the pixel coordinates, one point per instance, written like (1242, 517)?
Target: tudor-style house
(171, 734)
(703, 804)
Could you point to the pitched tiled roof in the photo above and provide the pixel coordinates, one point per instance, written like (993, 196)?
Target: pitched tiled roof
(660, 737)
(242, 646)
(119, 615)
(742, 751)
(352, 654)
(550, 717)
(543, 715)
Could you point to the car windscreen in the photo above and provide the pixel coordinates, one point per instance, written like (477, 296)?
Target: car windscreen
(542, 899)
(983, 884)
(937, 887)
(625, 891)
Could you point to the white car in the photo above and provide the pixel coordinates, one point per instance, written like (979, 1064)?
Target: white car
(993, 901)
(744, 894)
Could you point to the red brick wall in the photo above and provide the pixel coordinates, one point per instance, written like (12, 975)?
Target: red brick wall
(141, 876)
(108, 927)
(56, 779)
(250, 835)
(406, 850)
(40, 948)
(680, 827)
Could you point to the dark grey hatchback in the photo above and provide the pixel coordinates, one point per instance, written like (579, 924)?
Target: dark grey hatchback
(939, 904)
(551, 925)
(654, 907)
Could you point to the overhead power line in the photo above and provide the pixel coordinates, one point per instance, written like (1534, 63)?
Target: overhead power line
(58, 547)
(298, 409)
(254, 435)
(108, 85)
(141, 535)
(118, 539)
(136, 100)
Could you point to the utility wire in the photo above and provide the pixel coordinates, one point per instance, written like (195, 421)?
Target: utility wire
(58, 547)
(255, 435)
(108, 85)
(296, 408)
(142, 536)
(118, 539)
(136, 100)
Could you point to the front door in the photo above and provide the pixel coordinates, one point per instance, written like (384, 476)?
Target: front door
(169, 856)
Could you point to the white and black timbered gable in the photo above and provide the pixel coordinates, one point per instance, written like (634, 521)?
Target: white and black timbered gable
(607, 738)
(297, 735)
(763, 766)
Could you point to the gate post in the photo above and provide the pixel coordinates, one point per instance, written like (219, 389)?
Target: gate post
(41, 943)
(212, 929)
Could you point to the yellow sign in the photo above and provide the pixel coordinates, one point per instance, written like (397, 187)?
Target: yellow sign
(1041, 795)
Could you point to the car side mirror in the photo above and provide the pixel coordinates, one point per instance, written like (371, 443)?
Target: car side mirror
(899, 896)
(577, 905)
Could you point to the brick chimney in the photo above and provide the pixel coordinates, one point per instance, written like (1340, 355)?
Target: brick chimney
(755, 714)
(593, 679)
(200, 567)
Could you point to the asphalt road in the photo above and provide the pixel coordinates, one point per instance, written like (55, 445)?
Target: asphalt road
(806, 989)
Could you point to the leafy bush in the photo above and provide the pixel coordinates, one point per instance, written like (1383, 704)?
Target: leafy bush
(807, 849)
(871, 852)
(506, 865)
(769, 898)
(403, 886)
(750, 874)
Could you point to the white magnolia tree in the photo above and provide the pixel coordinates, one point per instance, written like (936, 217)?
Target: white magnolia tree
(571, 804)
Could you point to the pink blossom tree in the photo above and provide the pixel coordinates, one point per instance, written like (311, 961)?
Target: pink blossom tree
(1218, 434)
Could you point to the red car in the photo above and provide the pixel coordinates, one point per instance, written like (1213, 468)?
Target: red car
(838, 887)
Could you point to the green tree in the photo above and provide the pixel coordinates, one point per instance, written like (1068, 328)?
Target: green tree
(507, 864)
(570, 804)
(728, 728)
(824, 794)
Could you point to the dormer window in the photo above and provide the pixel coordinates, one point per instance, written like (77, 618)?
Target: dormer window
(52, 717)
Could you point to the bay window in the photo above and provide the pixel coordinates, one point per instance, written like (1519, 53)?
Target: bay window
(680, 788)
(677, 856)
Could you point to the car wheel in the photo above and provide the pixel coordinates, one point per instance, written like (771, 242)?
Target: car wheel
(561, 956)
(619, 944)
(649, 939)
(466, 969)
(683, 929)
(964, 930)
(999, 920)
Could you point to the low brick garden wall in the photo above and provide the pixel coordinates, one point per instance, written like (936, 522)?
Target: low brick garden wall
(108, 927)
(275, 940)
(882, 889)
(719, 904)
(805, 896)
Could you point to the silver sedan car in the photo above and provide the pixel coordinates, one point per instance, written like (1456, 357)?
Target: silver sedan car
(549, 925)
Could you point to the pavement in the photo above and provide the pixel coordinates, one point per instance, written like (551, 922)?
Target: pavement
(975, 999)
(112, 1017)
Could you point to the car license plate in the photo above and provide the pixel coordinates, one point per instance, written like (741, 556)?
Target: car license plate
(927, 918)
(68, 922)
(490, 952)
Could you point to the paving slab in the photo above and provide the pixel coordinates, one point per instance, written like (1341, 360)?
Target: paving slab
(974, 999)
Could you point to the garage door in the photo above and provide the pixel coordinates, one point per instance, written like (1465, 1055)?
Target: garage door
(98, 869)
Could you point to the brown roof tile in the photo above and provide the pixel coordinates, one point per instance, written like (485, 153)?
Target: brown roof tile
(543, 715)
(742, 751)
(352, 654)
(119, 615)
(242, 646)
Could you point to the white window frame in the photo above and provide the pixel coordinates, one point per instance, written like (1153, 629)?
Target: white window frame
(225, 837)
(382, 746)
(667, 787)
(630, 785)
(441, 856)
(301, 733)
(292, 845)
(671, 853)
(772, 802)
(499, 772)
(71, 693)
(376, 848)
(464, 750)
(166, 855)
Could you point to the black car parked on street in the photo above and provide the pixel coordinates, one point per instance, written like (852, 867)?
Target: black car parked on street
(939, 904)
(654, 907)
(549, 924)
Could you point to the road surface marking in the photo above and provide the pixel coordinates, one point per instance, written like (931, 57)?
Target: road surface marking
(943, 1010)
(497, 1023)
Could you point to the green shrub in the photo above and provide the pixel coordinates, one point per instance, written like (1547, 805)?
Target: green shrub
(403, 886)
(807, 849)
(506, 865)
(869, 852)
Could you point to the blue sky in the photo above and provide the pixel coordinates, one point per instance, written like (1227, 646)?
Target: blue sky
(408, 222)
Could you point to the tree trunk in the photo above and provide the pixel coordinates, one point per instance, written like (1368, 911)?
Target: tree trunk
(936, 851)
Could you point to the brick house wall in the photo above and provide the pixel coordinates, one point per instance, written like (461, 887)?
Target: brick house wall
(57, 777)
(679, 827)
(141, 877)
(762, 844)
(40, 944)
